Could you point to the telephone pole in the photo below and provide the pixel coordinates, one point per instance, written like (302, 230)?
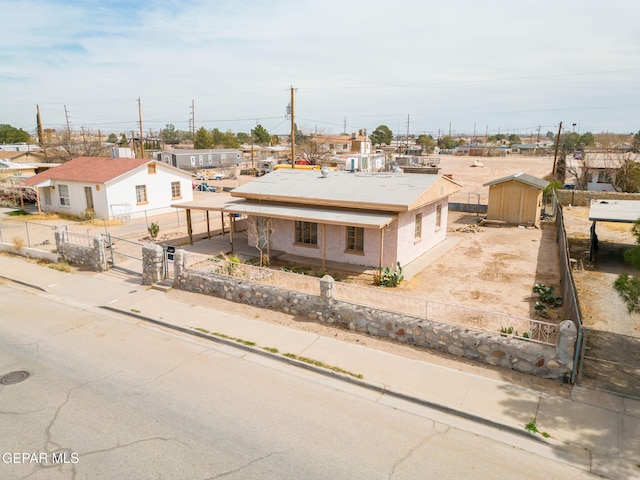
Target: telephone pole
(66, 114)
(555, 156)
(41, 133)
(141, 140)
(293, 133)
(193, 120)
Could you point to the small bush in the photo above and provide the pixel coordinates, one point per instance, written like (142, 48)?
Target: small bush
(18, 242)
(153, 230)
(389, 276)
(87, 214)
(629, 289)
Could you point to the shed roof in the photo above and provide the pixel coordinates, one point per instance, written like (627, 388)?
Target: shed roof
(372, 191)
(521, 177)
(623, 211)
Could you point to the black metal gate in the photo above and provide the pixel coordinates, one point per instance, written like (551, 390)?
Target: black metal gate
(123, 254)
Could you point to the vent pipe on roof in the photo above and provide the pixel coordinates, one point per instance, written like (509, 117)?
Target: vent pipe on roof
(324, 172)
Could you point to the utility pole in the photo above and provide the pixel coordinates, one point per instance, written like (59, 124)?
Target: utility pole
(41, 132)
(141, 140)
(293, 133)
(408, 115)
(538, 138)
(66, 114)
(193, 120)
(344, 128)
(555, 156)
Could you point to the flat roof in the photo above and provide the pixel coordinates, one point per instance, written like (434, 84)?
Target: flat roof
(623, 211)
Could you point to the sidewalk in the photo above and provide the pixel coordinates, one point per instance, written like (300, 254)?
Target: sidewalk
(594, 431)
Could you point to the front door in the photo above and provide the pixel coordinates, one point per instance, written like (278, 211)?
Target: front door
(88, 193)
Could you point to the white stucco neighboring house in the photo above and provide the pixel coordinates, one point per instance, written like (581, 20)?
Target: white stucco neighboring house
(111, 186)
(361, 218)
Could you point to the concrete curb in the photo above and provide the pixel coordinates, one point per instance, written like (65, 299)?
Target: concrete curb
(381, 389)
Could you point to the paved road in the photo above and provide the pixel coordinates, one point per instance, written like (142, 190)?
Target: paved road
(125, 400)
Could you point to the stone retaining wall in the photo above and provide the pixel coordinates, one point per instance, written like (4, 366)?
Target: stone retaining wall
(521, 355)
(91, 258)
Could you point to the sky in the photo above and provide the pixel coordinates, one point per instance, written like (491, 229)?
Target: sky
(416, 66)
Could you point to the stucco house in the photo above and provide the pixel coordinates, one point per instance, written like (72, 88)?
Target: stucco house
(362, 218)
(111, 186)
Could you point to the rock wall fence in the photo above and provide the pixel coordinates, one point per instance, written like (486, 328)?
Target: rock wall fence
(582, 198)
(506, 351)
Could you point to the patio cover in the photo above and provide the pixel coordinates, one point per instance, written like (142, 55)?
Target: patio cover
(622, 211)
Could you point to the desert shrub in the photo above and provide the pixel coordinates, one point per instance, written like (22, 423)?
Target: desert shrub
(629, 289)
(389, 276)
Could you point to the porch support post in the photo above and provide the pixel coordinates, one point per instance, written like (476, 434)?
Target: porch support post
(222, 221)
(189, 226)
(324, 246)
(208, 227)
(381, 246)
(232, 224)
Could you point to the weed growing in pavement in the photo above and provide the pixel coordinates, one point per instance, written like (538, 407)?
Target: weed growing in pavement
(320, 364)
(533, 428)
(135, 310)
(61, 266)
(271, 349)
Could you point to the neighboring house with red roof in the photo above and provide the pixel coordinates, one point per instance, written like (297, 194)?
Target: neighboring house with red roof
(111, 186)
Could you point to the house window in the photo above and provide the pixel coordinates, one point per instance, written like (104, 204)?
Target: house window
(193, 160)
(355, 239)
(175, 190)
(151, 168)
(166, 159)
(306, 233)
(63, 194)
(141, 194)
(210, 159)
(223, 157)
(418, 232)
(438, 217)
(200, 159)
(604, 177)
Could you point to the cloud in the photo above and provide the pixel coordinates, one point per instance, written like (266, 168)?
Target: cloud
(493, 62)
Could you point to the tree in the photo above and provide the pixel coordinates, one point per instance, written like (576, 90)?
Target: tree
(123, 141)
(170, 135)
(427, 142)
(243, 138)
(260, 135)
(314, 149)
(113, 138)
(275, 140)
(587, 140)
(635, 144)
(230, 140)
(514, 139)
(203, 139)
(381, 135)
(9, 134)
(627, 177)
(448, 142)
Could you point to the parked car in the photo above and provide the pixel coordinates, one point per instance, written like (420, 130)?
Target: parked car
(200, 177)
(218, 176)
(203, 187)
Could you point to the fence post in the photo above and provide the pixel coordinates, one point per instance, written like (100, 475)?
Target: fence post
(26, 227)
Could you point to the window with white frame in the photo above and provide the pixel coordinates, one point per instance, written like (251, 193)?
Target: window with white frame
(63, 194)
(193, 160)
(418, 232)
(210, 159)
(141, 193)
(200, 159)
(438, 216)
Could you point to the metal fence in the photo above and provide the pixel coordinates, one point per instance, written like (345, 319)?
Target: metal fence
(466, 317)
(30, 234)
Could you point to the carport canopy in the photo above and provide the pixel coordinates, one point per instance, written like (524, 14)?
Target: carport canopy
(621, 211)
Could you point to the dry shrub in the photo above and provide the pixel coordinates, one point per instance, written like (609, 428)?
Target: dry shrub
(18, 242)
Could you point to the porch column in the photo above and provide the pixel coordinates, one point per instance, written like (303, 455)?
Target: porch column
(189, 226)
(208, 227)
(324, 246)
(381, 246)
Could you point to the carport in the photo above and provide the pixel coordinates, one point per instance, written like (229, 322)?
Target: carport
(620, 211)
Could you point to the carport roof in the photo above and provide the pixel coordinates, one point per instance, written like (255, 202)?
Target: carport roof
(623, 211)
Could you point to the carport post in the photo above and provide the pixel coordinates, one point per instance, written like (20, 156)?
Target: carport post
(222, 221)
(208, 228)
(189, 227)
(324, 246)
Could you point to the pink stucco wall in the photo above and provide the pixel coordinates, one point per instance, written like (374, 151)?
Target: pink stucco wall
(398, 244)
